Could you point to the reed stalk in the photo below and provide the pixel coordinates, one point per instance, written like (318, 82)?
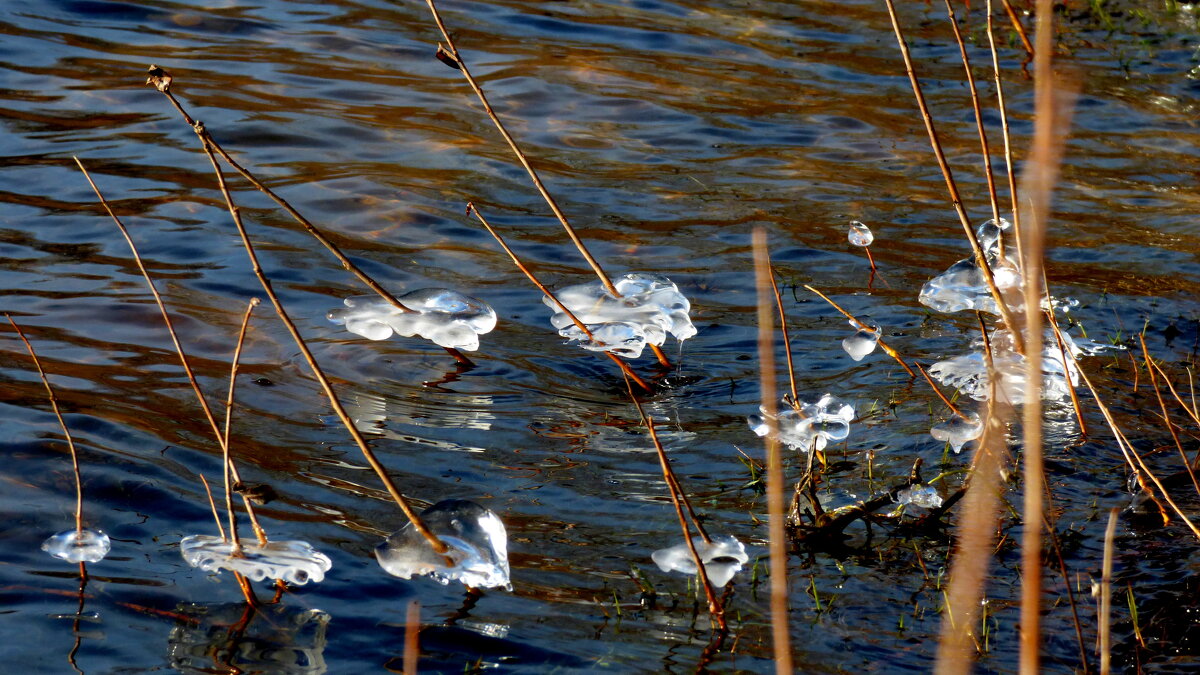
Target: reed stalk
(1150, 366)
(976, 108)
(787, 342)
(412, 630)
(161, 80)
(775, 517)
(1016, 23)
(228, 459)
(882, 345)
(1009, 165)
(1104, 629)
(625, 368)
(953, 408)
(212, 504)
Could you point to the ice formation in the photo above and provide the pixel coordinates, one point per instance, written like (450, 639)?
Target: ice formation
(860, 234)
(925, 496)
(296, 562)
(962, 286)
(650, 306)
(447, 318)
(863, 342)
(957, 431)
(78, 545)
(478, 542)
(812, 425)
(283, 639)
(722, 558)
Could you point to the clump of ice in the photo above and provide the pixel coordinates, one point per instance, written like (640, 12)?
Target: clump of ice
(478, 555)
(962, 286)
(860, 234)
(925, 496)
(957, 431)
(863, 341)
(722, 558)
(296, 562)
(968, 372)
(650, 306)
(445, 317)
(76, 545)
(811, 425)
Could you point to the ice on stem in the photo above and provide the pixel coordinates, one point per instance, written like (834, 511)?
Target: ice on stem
(863, 341)
(76, 546)
(925, 496)
(957, 431)
(860, 234)
(478, 555)
(722, 558)
(650, 307)
(445, 317)
(811, 426)
(963, 287)
(296, 562)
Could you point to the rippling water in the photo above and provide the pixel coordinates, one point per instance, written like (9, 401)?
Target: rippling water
(666, 130)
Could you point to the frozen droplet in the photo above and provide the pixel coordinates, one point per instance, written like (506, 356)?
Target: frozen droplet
(650, 307)
(722, 558)
(811, 426)
(863, 341)
(925, 496)
(75, 545)
(860, 234)
(957, 431)
(478, 555)
(445, 317)
(296, 562)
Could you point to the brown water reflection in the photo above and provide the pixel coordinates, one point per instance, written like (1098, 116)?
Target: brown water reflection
(666, 130)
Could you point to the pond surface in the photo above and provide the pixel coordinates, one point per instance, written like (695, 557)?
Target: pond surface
(667, 131)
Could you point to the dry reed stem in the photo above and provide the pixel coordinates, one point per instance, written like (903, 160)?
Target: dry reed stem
(775, 524)
(61, 423)
(1016, 22)
(450, 51)
(625, 367)
(660, 355)
(882, 345)
(1062, 351)
(1009, 165)
(212, 504)
(1062, 568)
(1105, 645)
(951, 186)
(1191, 412)
(161, 80)
(870, 259)
(1150, 366)
(983, 139)
(162, 309)
(412, 629)
(787, 342)
(437, 544)
(237, 354)
(953, 408)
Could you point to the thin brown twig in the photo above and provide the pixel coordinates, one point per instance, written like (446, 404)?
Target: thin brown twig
(450, 51)
(882, 345)
(1016, 22)
(951, 186)
(1150, 366)
(228, 459)
(162, 80)
(1009, 164)
(775, 522)
(412, 630)
(625, 368)
(1062, 352)
(953, 408)
(212, 504)
(1062, 568)
(61, 423)
(1104, 628)
(787, 342)
(434, 541)
(983, 139)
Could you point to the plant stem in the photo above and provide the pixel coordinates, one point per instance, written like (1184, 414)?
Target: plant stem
(983, 139)
(1106, 595)
(787, 343)
(1009, 165)
(882, 345)
(228, 459)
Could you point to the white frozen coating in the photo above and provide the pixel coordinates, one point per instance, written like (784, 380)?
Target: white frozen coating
(863, 342)
(478, 547)
(722, 558)
(76, 546)
(860, 234)
(962, 286)
(812, 426)
(924, 496)
(296, 562)
(650, 306)
(957, 431)
(445, 317)
(968, 372)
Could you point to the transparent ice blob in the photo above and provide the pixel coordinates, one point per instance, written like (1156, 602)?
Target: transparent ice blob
(445, 317)
(925, 496)
(811, 426)
(650, 307)
(962, 286)
(296, 562)
(957, 431)
(478, 555)
(722, 558)
(863, 342)
(860, 234)
(968, 372)
(76, 545)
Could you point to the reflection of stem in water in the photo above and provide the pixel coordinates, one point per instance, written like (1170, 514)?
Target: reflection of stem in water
(412, 629)
(470, 599)
(83, 579)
